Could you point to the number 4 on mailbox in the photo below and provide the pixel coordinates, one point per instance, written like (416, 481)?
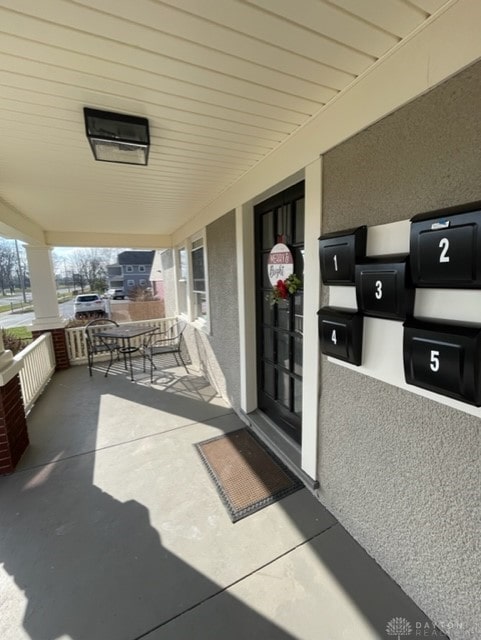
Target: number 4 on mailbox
(340, 334)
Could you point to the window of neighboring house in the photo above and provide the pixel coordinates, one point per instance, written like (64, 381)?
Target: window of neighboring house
(141, 268)
(199, 284)
(142, 283)
(129, 268)
(182, 280)
(131, 283)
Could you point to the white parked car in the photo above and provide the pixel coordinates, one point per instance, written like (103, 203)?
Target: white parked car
(116, 294)
(88, 304)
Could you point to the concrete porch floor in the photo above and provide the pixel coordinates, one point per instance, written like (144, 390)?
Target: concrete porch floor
(111, 529)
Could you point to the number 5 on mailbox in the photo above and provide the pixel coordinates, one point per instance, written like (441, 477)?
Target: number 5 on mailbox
(443, 359)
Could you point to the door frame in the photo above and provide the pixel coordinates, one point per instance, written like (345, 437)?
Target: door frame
(245, 257)
(285, 419)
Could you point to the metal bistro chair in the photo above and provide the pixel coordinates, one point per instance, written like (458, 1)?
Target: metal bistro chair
(97, 344)
(161, 342)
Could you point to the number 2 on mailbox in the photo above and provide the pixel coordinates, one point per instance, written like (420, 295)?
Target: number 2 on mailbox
(445, 248)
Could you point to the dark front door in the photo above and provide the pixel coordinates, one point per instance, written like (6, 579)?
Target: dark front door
(279, 327)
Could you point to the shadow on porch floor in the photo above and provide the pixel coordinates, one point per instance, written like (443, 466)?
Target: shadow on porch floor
(112, 530)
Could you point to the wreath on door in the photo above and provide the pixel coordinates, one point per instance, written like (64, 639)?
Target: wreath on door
(280, 270)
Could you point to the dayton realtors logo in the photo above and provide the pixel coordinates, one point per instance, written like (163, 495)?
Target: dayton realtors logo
(399, 627)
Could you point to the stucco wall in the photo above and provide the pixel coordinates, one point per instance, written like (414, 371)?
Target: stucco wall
(402, 472)
(215, 354)
(224, 308)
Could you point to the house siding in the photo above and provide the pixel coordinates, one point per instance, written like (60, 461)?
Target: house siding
(402, 472)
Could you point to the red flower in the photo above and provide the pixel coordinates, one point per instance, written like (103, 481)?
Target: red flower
(282, 288)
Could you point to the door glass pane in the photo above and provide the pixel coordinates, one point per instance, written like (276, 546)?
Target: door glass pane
(298, 397)
(299, 221)
(298, 356)
(265, 273)
(283, 349)
(283, 315)
(298, 254)
(280, 229)
(283, 389)
(298, 311)
(269, 380)
(267, 310)
(268, 344)
(268, 230)
(283, 227)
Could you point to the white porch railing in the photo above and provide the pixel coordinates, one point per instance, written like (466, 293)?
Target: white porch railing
(77, 349)
(38, 366)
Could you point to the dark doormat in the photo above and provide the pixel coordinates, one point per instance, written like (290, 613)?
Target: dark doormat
(247, 476)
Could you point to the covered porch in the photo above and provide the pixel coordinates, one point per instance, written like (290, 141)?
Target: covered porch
(116, 530)
(111, 527)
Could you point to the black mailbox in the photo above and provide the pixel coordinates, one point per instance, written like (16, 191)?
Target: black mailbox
(443, 359)
(340, 333)
(446, 248)
(384, 288)
(338, 254)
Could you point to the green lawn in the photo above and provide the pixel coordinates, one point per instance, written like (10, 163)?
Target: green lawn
(20, 332)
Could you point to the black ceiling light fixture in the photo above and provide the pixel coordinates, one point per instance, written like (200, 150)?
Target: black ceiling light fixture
(117, 137)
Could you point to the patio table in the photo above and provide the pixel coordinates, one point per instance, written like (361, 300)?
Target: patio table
(125, 334)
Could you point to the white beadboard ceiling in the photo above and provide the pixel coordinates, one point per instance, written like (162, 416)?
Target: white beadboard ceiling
(222, 82)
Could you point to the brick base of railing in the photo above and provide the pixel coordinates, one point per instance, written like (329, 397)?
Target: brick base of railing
(13, 426)
(59, 346)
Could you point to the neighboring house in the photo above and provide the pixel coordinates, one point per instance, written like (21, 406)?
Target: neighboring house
(132, 270)
(115, 276)
(157, 277)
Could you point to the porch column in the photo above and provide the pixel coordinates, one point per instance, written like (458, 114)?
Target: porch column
(13, 423)
(45, 304)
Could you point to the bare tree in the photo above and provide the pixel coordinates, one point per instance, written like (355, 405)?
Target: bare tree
(86, 266)
(7, 264)
(90, 264)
